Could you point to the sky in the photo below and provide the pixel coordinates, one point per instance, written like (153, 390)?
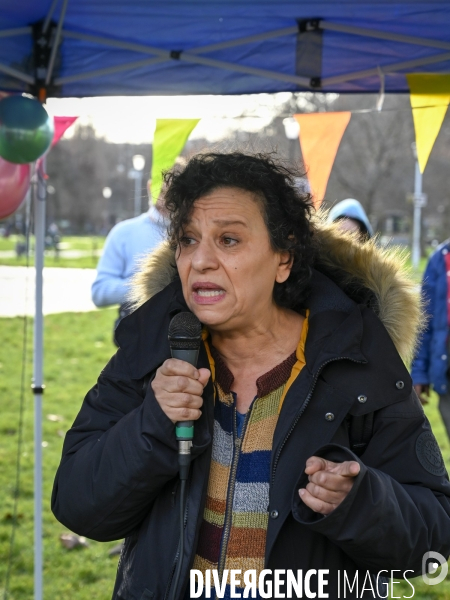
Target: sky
(125, 119)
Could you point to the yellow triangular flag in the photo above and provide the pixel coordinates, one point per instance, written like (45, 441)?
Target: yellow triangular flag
(168, 142)
(320, 136)
(432, 92)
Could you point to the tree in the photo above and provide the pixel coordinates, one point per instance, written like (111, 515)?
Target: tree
(79, 169)
(374, 163)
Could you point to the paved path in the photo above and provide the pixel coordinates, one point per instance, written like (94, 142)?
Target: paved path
(65, 290)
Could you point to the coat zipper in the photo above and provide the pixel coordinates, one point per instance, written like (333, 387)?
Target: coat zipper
(177, 555)
(174, 564)
(304, 406)
(230, 495)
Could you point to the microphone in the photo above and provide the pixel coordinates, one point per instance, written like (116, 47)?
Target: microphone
(185, 337)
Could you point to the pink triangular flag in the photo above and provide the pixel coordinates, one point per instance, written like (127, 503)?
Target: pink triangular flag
(61, 125)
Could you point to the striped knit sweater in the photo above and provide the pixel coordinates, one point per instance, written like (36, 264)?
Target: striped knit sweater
(234, 526)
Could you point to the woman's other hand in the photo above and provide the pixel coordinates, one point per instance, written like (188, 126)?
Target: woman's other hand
(178, 388)
(329, 483)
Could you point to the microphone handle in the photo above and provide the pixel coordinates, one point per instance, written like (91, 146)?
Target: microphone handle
(184, 430)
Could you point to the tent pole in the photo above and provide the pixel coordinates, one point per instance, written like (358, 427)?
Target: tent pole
(401, 66)
(56, 43)
(221, 64)
(192, 58)
(109, 70)
(250, 39)
(383, 35)
(49, 16)
(16, 31)
(38, 387)
(259, 37)
(17, 74)
(185, 56)
(97, 39)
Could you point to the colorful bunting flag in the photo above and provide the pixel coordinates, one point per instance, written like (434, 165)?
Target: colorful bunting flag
(430, 96)
(320, 136)
(61, 124)
(170, 137)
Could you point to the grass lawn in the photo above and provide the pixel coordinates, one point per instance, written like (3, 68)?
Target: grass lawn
(76, 251)
(77, 345)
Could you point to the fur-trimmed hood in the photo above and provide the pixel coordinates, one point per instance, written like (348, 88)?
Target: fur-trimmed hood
(364, 271)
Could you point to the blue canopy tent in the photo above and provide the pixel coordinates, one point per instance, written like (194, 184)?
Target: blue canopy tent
(79, 48)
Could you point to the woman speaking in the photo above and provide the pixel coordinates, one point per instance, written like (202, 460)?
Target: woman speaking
(310, 452)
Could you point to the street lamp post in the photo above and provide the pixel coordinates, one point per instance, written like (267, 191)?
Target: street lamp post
(136, 173)
(419, 200)
(107, 214)
(291, 130)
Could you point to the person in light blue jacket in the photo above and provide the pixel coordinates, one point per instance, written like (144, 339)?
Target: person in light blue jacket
(431, 364)
(352, 217)
(126, 244)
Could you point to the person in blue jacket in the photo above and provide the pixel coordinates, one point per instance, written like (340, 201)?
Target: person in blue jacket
(431, 365)
(126, 245)
(352, 217)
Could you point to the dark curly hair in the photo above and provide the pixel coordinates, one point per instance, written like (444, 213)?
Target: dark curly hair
(286, 209)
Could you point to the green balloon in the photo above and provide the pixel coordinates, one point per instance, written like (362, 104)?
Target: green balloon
(26, 129)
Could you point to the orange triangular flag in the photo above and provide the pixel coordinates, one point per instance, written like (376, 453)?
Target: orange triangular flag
(320, 136)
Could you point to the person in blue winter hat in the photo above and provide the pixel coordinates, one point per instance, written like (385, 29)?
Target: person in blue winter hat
(352, 216)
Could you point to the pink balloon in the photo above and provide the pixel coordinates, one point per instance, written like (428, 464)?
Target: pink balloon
(14, 183)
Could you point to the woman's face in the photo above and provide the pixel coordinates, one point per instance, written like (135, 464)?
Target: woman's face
(226, 264)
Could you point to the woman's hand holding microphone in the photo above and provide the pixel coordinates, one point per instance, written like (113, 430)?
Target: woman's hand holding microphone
(178, 388)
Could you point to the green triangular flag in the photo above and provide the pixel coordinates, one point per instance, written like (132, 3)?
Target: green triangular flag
(168, 142)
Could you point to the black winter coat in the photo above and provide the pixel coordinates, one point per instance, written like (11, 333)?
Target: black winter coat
(118, 473)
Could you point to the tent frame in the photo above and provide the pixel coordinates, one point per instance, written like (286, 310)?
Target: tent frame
(194, 55)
